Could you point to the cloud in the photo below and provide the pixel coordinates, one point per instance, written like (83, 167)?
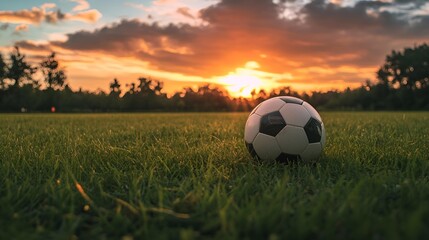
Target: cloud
(91, 16)
(48, 6)
(21, 28)
(59, 37)
(345, 41)
(33, 46)
(47, 13)
(172, 11)
(33, 16)
(185, 11)
(4, 26)
(81, 5)
(137, 6)
(332, 17)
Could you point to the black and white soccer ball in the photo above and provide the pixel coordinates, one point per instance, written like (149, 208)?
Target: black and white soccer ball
(285, 129)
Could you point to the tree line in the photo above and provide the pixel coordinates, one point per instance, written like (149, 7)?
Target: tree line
(402, 84)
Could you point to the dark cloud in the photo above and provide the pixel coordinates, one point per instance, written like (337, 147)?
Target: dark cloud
(54, 17)
(415, 2)
(236, 31)
(185, 11)
(4, 26)
(128, 35)
(32, 46)
(239, 11)
(371, 4)
(331, 17)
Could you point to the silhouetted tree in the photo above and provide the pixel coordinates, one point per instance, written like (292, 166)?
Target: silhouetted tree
(260, 96)
(406, 75)
(115, 88)
(3, 72)
(114, 100)
(132, 89)
(145, 86)
(54, 76)
(284, 91)
(205, 98)
(408, 69)
(158, 87)
(402, 84)
(19, 70)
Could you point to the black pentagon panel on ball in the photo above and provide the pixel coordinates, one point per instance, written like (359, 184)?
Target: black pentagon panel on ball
(251, 150)
(272, 123)
(313, 129)
(287, 158)
(292, 100)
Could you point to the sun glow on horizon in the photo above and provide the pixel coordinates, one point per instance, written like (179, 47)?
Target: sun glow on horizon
(241, 85)
(243, 81)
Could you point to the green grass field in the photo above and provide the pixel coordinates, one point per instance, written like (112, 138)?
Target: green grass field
(187, 176)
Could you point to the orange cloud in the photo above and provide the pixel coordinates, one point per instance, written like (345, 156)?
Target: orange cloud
(44, 13)
(86, 16)
(33, 16)
(21, 28)
(327, 46)
(81, 5)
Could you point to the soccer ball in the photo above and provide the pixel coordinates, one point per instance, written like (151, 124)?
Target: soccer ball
(285, 129)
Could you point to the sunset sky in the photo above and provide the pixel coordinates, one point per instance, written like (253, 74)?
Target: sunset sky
(240, 44)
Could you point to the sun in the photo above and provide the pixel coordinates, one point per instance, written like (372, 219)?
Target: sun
(241, 85)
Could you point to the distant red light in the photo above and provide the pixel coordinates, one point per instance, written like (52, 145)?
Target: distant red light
(53, 109)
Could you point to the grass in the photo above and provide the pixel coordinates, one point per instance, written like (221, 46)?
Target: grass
(187, 176)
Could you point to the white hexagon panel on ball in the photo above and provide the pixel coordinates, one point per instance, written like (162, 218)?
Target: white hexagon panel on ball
(266, 147)
(252, 127)
(270, 105)
(295, 114)
(312, 111)
(292, 140)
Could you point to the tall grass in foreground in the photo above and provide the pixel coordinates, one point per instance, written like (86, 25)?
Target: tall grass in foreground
(190, 176)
